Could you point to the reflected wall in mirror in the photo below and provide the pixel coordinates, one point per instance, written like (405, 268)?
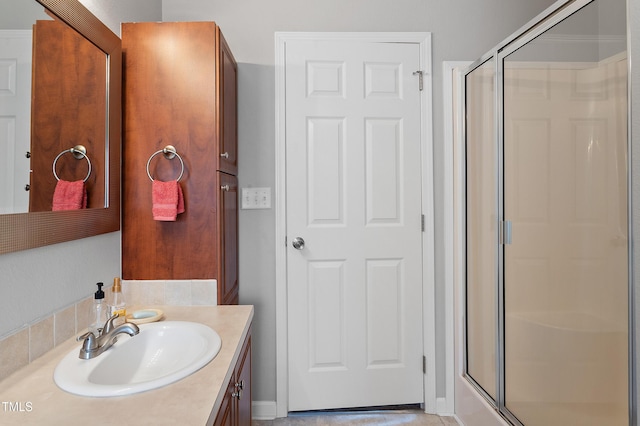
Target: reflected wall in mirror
(72, 77)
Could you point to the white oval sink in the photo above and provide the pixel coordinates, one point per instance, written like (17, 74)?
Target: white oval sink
(162, 353)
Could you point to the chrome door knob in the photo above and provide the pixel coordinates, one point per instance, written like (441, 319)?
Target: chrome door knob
(298, 243)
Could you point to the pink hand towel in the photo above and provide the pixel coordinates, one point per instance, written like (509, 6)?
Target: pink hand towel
(69, 195)
(167, 199)
(180, 199)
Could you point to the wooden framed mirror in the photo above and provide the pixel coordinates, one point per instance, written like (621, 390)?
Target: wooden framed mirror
(20, 231)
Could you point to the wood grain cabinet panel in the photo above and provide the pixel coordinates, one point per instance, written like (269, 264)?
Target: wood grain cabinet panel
(243, 379)
(180, 88)
(228, 89)
(228, 231)
(226, 414)
(236, 405)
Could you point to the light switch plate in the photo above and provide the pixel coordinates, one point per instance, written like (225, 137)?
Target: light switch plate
(256, 198)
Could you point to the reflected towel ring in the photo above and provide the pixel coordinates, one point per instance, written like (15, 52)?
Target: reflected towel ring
(169, 153)
(78, 151)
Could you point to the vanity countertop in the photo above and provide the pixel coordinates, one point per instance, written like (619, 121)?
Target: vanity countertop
(30, 396)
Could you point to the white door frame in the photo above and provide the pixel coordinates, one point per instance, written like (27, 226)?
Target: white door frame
(426, 143)
(453, 253)
(462, 400)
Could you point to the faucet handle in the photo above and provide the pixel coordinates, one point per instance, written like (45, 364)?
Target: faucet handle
(108, 326)
(84, 336)
(89, 341)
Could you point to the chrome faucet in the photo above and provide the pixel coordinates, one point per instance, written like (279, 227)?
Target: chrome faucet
(93, 345)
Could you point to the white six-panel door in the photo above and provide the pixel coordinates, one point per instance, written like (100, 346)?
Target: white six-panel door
(15, 119)
(353, 191)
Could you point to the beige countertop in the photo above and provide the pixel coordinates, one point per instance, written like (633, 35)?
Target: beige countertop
(30, 396)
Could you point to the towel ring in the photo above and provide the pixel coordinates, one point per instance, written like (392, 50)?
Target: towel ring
(169, 153)
(78, 151)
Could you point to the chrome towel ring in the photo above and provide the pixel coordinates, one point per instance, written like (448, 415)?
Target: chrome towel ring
(78, 151)
(169, 153)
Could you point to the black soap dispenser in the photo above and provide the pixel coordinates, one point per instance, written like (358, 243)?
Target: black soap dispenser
(99, 311)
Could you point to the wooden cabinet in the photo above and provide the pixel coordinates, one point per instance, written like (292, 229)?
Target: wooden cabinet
(243, 388)
(226, 413)
(228, 89)
(228, 232)
(180, 89)
(236, 405)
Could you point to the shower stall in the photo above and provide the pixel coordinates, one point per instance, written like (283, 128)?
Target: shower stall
(546, 298)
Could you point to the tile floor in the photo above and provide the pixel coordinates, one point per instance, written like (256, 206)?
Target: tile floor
(382, 418)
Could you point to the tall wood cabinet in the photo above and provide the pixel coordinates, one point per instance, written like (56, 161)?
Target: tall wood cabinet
(180, 89)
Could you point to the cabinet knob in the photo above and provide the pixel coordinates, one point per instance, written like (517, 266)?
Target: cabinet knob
(224, 187)
(224, 155)
(239, 388)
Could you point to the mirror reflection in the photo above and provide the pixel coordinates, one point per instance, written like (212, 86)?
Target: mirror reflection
(53, 91)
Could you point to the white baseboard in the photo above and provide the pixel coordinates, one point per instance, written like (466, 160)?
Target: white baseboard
(443, 407)
(458, 420)
(263, 410)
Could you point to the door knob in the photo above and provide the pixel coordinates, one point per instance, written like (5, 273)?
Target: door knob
(298, 243)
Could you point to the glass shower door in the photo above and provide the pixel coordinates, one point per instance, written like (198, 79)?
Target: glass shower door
(482, 236)
(565, 194)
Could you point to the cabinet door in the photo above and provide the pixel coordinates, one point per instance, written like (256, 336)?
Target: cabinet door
(227, 89)
(171, 99)
(226, 413)
(243, 375)
(228, 231)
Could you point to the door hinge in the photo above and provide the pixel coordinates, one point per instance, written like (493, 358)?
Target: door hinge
(285, 240)
(424, 364)
(505, 232)
(422, 223)
(420, 79)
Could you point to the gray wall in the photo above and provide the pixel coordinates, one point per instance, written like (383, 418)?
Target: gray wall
(461, 30)
(113, 12)
(20, 14)
(36, 283)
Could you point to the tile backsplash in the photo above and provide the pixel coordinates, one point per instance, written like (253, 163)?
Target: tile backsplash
(170, 292)
(33, 340)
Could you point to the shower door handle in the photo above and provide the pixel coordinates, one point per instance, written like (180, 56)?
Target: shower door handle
(505, 232)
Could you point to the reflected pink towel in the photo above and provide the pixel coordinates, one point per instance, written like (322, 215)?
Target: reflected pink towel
(167, 200)
(69, 196)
